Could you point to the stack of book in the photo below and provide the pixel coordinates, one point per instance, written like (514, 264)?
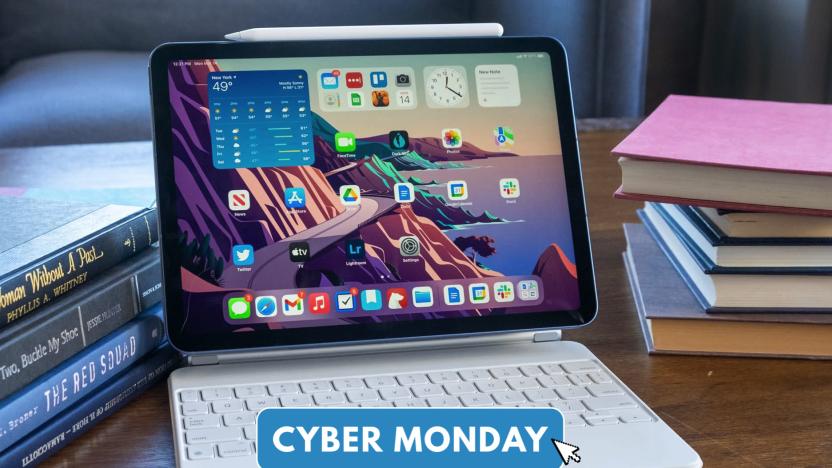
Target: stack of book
(734, 253)
(81, 328)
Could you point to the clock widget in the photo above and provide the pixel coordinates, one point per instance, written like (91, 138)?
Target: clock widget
(446, 87)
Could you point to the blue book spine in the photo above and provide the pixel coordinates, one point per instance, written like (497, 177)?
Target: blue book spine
(56, 391)
(78, 419)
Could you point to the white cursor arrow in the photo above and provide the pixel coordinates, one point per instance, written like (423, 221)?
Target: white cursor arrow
(566, 451)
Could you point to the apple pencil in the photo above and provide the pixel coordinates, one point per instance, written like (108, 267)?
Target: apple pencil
(398, 31)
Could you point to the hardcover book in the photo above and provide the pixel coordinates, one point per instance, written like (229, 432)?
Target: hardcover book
(755, 155)
(760, 225)
(49, 248)
(674, 322)
(33, 346)
(56, 391)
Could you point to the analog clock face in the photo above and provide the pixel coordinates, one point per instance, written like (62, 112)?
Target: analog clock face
(446, 87)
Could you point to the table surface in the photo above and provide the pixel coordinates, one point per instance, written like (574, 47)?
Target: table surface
(733, 411)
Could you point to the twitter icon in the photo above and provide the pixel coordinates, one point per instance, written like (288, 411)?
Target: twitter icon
(242, 255)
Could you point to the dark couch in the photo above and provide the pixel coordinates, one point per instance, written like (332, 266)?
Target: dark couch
(75, 72)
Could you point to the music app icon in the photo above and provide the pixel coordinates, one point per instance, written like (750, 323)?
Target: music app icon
(319, 303)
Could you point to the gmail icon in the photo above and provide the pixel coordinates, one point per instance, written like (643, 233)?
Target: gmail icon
(292, 304)
(239, 200)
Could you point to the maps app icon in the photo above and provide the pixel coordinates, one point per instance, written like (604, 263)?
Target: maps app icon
(503, 136)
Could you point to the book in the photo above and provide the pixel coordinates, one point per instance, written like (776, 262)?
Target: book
(674, 322)
(739, 224)
(33, 346)
(754, 155)
(696, 231)
(735, 289)
(49, 248)
(56, 391)
(91, 410)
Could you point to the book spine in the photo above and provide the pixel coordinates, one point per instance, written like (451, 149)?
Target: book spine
(30, 288)
(77, 420)
(31, 348)
(25, 411)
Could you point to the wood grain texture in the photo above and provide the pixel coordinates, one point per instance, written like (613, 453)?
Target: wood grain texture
(733, 411)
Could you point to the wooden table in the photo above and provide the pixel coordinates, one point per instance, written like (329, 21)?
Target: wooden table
(733, 411)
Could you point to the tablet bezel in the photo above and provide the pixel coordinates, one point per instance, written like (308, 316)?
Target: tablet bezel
(169, 233)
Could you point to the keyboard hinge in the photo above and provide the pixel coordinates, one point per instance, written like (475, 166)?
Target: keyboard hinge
(203, 360)
(550, 335)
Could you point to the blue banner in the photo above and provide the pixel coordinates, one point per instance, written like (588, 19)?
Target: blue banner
(408, 437)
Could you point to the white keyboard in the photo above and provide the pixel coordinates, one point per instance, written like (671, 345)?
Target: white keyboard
(220, 421)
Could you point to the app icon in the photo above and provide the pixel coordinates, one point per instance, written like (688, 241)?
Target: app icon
(299, 251)
(378, 79)
(478, 292)
(403, 80)
(504, 291)
(380, 98)
(355, 250)
(509, 188)
(350, 195)
(242, 255)
(265, 306)
(345, 142)
(345, 301)
(238, 308)
(399, 140)
(528, 290)
(503, 136)
(451, 138)
(356, 99)
(292, 304)
(422, 296)
(354, 79)
(329, 80)
(295, 197)
(239, 200)
(404, 192)
(371, 300)
(396, 298)
(457, 190)
(454, 294)
(319, 303)
(332, 100)
(405, 98)
(409, 246)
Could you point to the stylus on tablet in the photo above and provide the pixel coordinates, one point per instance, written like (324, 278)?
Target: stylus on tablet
(387, 31)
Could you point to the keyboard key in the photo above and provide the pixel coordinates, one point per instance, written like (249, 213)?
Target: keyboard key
(551, 381)
(394, 393)
(206, 436)
(600, 377)
(573, 420)
(551, 369)
(470, 375)
(234, 449)
(280, 389)
(607, 389)
(596, 414)
(506, 372)
(248, 391)
(358, 396)
(250, 432)
(579, 379)
(376, 404)
(239, 419)
(411, 403)
(522, 383)
(531, 371)
(444, 402)
(188, 395)
(227, 406)
(201, 422)
(444, 377)
(510, 397)
(580, 367)
(409, 380)
(343, 385)
(572, 392)
(633, 415)
(477, 399)
(295, 400)
(316, 386)
(193, 408)
(602, 421)
(490, 386)
(329, 398)
(608, 403)
(568, 406)
(200, 452)
(541, 394)
(380, 381)
(213, 394)
(429, 390)
(459, 388)
(256, 404)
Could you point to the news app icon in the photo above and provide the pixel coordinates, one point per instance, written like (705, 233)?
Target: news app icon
(239, 200)
(404, 192)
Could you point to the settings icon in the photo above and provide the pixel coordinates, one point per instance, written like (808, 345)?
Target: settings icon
(409, 246)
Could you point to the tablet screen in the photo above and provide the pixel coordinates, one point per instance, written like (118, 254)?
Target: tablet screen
(368, 189)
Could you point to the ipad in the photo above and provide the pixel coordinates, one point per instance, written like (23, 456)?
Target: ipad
(327, 192)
